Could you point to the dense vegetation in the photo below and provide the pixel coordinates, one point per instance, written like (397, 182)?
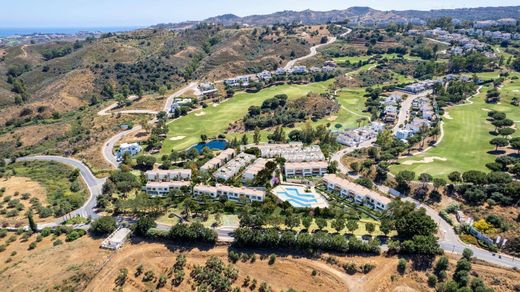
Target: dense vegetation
(65, 191)
(278, 111)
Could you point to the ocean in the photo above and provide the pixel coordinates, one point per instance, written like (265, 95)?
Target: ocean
(4, 32)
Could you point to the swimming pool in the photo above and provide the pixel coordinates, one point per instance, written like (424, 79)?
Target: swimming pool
(298, 197)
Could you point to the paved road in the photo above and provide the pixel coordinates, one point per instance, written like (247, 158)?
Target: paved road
(440, 42)
(314, 51)
(108, 147)
(169, 101)
(406, 105)
(138, 112)
(448, 239)
(94, 186)
(107, 111)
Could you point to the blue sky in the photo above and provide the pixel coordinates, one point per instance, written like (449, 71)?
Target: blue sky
(100, 13)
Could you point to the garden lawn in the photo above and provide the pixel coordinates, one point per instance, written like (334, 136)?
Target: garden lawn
(466, 137)
(217, 118)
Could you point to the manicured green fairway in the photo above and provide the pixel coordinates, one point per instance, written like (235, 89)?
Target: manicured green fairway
(352, 103)
(466, 139)
(186, 131)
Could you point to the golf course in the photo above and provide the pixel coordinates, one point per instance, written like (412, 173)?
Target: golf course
(214, 120)
(465, 144)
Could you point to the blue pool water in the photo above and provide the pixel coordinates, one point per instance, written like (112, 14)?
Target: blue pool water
(212, 145)
(297, 198)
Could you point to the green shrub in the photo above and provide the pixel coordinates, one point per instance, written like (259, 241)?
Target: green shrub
(57, 242)
(272, 259)
(32, 245)
(233, 256)
(368, 267)
(350, 268)
(46, 232)
(432, 281)
(401, 266)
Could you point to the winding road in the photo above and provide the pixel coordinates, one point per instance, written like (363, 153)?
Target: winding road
(314, 51)
(107, 149)
(448, 239)
(94, 185)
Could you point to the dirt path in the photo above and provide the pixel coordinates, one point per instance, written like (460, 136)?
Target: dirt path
(24, 52)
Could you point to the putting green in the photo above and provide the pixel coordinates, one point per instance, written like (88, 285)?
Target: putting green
(217, 118)
(466, 137)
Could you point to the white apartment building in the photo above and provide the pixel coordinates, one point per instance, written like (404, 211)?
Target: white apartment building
(231, 193)
(315, 168)
(132, 149)
(168, 175)
(252, 170)
(291, 152)
(219, 160)
(155, 189)
(357, 193)
(233, 167)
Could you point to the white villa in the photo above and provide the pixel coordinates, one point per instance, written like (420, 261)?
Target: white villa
(280, 71)
(299, 70)
(392, 100)
(231, 193)
(132, 149)
(168, 175)
(315, 168)
(207, 89)
(253, 169)
(354, 137)
(219, 160)
(264, 75)
(234, 166)
(357, 193)
(163, 188)
(237, 81)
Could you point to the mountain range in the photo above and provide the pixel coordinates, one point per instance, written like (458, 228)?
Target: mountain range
(353, 14)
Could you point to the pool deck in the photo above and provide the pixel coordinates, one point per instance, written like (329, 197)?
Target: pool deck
(302, 199)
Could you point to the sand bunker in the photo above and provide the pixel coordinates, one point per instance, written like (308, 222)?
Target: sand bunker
(425, 160)
(486, 109)
(176, 138)
(332, 118)
(447, 116)
(200, 114)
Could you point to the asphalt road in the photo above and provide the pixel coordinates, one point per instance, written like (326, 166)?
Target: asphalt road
(448, 239)
(108, 148)
(94, 185)
(406, 105)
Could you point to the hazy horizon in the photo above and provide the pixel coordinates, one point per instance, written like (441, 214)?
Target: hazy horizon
(138, 13)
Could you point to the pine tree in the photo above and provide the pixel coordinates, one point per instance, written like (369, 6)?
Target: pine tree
(32, 224)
